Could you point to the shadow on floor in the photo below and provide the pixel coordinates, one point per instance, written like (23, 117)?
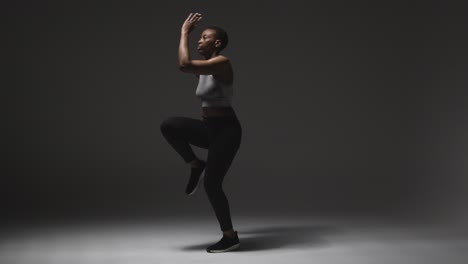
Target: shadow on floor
(274, 237)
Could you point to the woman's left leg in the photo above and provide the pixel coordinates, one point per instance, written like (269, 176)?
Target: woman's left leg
(225, 142)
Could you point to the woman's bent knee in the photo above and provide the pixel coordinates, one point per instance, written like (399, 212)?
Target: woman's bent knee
(168, 123)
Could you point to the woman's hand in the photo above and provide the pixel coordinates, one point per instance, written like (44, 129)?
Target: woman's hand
(190, 22)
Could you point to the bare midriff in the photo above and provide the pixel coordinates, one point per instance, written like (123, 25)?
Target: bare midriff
(218, 111)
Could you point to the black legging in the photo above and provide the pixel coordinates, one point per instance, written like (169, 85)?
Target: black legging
(221, 135)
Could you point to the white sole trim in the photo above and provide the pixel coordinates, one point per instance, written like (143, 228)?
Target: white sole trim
(227, 249)
(199, 181)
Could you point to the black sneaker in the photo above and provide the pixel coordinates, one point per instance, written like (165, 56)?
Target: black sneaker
(225, 244)
(195, 178)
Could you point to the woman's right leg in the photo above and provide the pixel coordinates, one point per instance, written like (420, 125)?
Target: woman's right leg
(181, 131)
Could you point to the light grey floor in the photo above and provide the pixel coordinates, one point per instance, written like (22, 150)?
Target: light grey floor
(282, 239)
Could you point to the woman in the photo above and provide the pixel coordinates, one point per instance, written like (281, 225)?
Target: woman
(219, 131)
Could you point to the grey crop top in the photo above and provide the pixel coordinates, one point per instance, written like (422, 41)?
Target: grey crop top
(212, 92)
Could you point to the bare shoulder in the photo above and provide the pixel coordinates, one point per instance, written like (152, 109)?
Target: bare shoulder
(222, 58)
(226, 75)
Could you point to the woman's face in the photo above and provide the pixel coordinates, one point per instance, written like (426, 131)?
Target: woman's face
(207, 42)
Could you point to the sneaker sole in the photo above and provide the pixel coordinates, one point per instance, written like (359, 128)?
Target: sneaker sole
(231, 248)
(198, 183)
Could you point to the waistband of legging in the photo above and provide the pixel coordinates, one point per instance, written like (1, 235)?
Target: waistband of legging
(221, 117)
(222, 112)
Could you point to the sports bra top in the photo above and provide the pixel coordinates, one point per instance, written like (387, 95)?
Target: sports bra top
(213, 92)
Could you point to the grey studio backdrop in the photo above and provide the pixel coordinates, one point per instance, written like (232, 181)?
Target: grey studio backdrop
(349, 107)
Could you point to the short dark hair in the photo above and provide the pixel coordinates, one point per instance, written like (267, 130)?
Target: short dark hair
(220, 34)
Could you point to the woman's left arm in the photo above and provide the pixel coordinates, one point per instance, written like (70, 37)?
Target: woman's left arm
(187, 27)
